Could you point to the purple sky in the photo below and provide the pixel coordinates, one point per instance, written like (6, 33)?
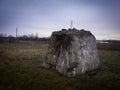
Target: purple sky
(101, 17)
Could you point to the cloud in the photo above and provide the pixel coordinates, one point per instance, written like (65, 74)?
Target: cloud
(44, 16)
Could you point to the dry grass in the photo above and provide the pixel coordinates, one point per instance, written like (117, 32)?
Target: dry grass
(20, 69)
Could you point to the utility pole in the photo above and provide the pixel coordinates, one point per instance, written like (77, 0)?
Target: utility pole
(36, 35)
(71, 25)
(16, 34)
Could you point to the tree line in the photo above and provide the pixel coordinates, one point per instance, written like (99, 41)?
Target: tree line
(109, 45)
(101, 44)
(23, 38)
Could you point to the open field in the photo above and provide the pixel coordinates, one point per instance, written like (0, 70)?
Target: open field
(20, 69)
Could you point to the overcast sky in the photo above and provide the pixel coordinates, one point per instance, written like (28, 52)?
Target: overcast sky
(101, 17)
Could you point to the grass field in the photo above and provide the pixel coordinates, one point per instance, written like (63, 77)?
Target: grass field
(20, 69)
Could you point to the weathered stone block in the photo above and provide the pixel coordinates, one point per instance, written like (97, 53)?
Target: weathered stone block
(72, 52)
